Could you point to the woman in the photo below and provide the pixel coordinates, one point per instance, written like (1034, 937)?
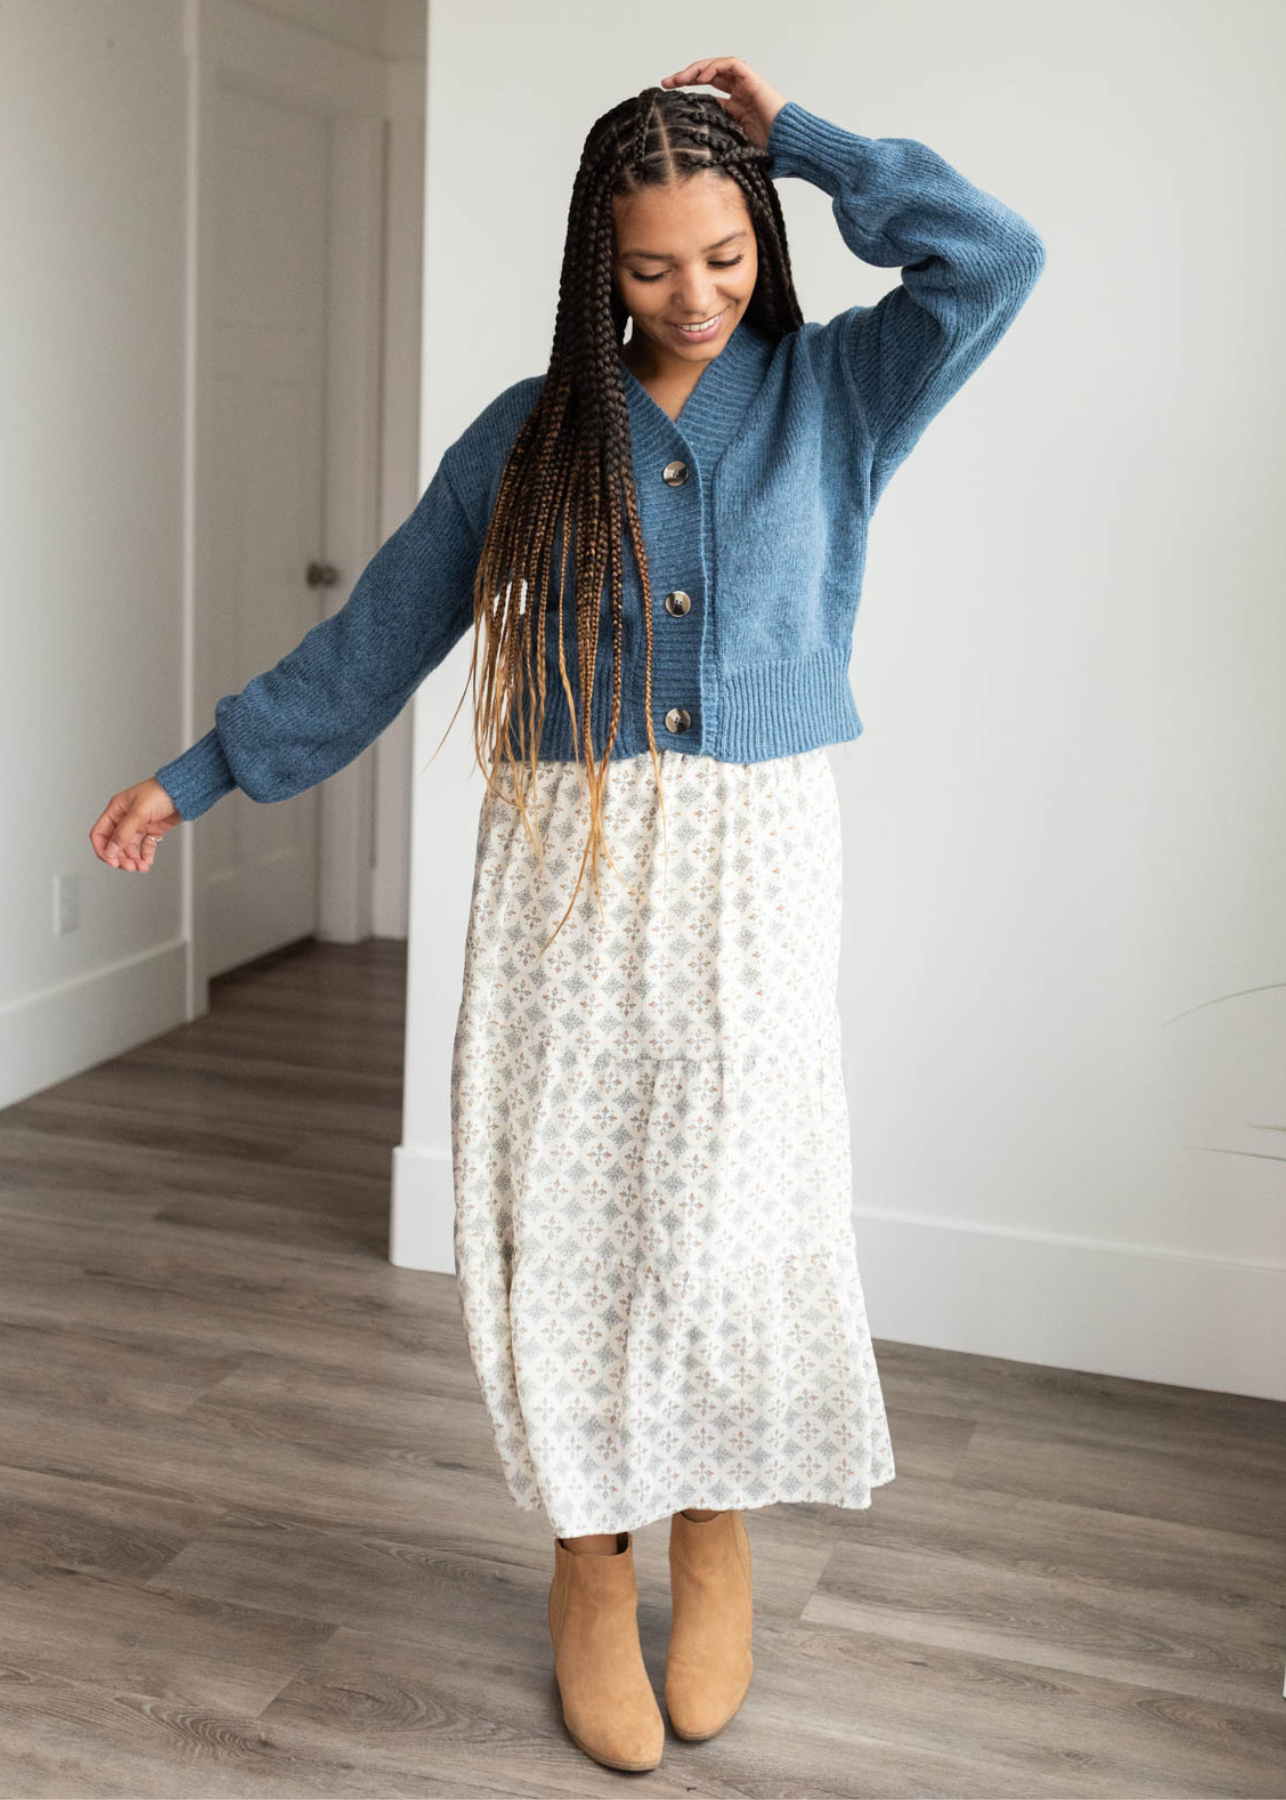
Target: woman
(654, 1244)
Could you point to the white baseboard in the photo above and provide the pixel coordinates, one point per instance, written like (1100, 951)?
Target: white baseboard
(1102, 1307)
(422, 1220)
(59, 1031)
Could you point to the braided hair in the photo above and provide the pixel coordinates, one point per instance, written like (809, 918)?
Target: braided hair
(569, 470)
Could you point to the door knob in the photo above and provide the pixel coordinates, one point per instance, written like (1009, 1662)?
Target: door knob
(322, 574)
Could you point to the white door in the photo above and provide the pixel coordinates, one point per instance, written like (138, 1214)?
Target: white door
(264, 509)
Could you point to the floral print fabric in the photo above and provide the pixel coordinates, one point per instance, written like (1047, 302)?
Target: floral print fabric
(654, 1246)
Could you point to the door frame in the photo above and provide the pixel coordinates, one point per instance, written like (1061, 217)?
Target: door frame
(229, 45)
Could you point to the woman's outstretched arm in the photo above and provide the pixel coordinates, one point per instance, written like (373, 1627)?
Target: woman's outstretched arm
(331, 696)
(326, 700)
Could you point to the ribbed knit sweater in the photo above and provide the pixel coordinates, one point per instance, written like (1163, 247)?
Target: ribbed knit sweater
(755, 503)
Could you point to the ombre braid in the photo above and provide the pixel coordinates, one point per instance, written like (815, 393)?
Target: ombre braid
(569, 474)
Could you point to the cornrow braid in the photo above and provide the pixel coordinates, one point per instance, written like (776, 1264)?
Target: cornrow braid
(567, 488)
(644, 106)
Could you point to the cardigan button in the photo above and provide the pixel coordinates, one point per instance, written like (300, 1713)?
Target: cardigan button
(677, 719)
(677, 603)
(675, 473)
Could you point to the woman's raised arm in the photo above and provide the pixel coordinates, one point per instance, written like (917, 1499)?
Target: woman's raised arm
(968, 262)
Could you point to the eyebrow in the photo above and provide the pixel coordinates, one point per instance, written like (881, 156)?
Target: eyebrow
(659, 256)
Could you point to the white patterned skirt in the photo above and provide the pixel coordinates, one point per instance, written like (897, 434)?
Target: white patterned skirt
(654, 1244)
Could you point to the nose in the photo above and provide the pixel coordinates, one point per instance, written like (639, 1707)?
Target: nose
(692, 291)
(695, 306)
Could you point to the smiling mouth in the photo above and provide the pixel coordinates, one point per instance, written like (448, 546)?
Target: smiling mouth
(705, 328)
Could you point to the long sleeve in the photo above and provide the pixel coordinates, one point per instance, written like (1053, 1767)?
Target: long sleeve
(968, 263)
(331, 696)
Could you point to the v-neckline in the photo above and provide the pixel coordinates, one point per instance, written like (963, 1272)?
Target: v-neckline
(690, 396)
(717, 403)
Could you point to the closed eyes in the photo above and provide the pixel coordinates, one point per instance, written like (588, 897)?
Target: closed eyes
(714, 265)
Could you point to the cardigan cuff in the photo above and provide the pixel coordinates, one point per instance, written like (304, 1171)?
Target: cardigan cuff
(195, 780)
(802, 143)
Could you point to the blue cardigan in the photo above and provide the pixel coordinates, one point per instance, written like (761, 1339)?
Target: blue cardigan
(754, 502)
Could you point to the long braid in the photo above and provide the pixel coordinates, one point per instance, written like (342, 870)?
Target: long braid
(568, 480)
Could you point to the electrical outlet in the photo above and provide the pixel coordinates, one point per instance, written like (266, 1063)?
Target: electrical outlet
(66, 904)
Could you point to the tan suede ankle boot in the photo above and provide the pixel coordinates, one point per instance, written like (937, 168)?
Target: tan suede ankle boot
(708, 1664)
(609, 1707)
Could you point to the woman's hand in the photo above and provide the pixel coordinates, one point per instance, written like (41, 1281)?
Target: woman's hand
(750, 100)
(132, 824)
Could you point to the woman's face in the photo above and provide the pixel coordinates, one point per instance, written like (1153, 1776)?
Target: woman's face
(683, 255)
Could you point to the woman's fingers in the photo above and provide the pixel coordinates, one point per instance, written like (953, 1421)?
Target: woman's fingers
(704, 71)
(126, 833)
(138, 834)
(747, 97)
(102, 832)
(129, 835)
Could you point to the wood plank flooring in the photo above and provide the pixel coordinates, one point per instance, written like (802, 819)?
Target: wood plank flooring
(254, 1539)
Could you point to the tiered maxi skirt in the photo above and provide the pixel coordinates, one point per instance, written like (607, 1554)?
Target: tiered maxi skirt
(654, 1246)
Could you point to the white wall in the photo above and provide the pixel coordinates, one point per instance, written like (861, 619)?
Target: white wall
(1065, 979)
(92, 334)
(93, 339)
(390, 28)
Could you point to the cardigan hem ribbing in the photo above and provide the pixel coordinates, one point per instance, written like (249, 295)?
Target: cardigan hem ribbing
(748, 714)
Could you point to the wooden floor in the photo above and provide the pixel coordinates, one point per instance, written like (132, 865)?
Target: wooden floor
(254, 1538)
